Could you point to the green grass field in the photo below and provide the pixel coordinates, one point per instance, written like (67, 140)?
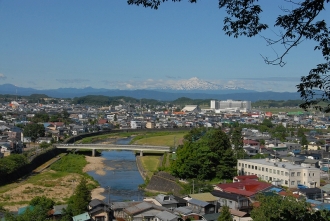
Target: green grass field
(150, 164)
(170, 140)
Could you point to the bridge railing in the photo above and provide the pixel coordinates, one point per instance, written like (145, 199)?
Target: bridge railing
(113, 146)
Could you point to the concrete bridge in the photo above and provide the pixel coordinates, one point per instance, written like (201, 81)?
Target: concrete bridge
(93, 147)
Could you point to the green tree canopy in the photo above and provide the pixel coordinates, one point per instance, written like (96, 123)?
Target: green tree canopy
(304, 141)
(267, 122)
(42, 201)
(205, 155)
(40, 118)
(38, 212)
(12, 163)
(277, 208)
(237, 141)
(225, 214)
(80, 200)
(34, 131)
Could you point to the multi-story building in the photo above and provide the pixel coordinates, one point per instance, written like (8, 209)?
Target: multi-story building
(280, 173)
(231, 105)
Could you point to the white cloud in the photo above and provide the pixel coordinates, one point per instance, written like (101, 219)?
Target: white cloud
(2, 76)
(129, 86)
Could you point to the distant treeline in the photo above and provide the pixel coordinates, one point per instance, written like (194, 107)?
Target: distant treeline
(102, 100)
(180, 102)
(281, 103)
(33, 98)
(105, 100)
(15, 166)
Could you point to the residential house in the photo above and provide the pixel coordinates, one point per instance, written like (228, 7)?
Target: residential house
(211, 216)
(117, 209)
(57, 212)
(98, 210)
(233, 201)
(311, 193)
(44, 140)
(167, 201)
(143, 211)
(247, 188)
(201, 207)
(240, 215)
(150, 125)
(82, 217)
(187, 213)
(206, 197)
(166, 216)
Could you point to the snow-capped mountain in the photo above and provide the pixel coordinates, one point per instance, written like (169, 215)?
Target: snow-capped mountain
(196, 84)
(191, 84)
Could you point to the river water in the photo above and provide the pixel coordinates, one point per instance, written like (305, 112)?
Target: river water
(124, 179)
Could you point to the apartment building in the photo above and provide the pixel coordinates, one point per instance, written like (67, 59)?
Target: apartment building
(231, 105)
(280, 173)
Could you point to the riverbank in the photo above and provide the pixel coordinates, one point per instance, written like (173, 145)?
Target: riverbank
(96, 164)
(56, 185)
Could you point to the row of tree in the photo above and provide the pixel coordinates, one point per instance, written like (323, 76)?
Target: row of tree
(11, 164)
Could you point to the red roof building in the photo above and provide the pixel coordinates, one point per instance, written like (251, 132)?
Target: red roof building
(246, 187)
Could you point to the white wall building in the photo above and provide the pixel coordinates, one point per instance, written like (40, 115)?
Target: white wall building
(231, 105)
(136, 124)
(281, 173)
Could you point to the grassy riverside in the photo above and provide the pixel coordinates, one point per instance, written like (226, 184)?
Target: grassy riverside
(166, 137)
(57, 182)
(170, 139)
(150, 164)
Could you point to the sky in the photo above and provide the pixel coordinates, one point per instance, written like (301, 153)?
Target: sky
(48, 44)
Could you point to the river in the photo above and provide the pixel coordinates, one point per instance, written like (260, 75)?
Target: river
(124, 179)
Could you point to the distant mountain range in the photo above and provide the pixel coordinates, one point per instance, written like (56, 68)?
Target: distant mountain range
(162, 94)
(195, 83)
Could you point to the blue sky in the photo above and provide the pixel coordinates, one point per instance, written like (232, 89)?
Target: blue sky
(110, 44)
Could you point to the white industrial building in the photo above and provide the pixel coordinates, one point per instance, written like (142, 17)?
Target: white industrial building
(230, 105)
(280, 173)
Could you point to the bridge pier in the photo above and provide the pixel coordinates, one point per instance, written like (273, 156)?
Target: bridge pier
(141, 153)
(93, 152)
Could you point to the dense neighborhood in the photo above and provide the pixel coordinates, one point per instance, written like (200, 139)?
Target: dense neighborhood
(291, 160)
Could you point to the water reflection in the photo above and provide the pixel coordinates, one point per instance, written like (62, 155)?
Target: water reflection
(124, 179)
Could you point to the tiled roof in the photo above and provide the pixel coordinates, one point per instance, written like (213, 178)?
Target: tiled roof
(251, 186)
(164, 215)
(141, 207)
(198, 202)
(183, 210)
(81, 217)
(165, 199)
(238, 191)
(225, 195)
(207, 197)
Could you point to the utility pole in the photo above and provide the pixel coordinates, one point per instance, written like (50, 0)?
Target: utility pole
(108, 187)
(328, 168)
(193, 186)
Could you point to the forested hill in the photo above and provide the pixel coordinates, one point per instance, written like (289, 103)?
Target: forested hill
(105, 100)
(102, 100)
